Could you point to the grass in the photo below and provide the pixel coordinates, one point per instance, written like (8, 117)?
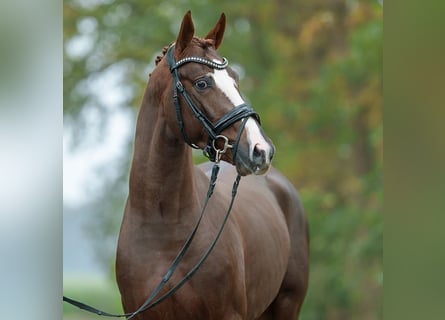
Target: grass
(100, 293)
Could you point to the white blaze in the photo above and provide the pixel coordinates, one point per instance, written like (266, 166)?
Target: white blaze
(227, 85)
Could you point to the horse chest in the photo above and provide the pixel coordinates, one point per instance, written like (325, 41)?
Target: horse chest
(145, 256)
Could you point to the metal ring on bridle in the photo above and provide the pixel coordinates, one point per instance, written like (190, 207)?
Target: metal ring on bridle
(226, 144)
(219, 152)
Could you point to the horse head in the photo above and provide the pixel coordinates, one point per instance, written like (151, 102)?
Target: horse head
(207, 104)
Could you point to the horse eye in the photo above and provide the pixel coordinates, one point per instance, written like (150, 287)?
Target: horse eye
(202, 84)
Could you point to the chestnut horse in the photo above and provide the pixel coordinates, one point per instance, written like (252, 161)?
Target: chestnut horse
(259, 267)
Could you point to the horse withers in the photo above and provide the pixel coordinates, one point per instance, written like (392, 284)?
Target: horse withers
(258, 269)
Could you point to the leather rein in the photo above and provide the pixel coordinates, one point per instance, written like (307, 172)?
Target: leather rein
(241, 112)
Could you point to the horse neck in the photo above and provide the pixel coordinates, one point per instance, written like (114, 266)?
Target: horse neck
(161, 176)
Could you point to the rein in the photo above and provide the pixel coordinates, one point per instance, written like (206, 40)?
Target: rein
(241, 112)
(149, 303)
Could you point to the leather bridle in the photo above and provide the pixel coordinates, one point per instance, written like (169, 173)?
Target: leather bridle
(240, 112)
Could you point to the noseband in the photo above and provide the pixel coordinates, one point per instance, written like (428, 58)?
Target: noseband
(240, 112)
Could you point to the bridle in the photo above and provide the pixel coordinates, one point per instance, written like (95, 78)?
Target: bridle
(241, 112)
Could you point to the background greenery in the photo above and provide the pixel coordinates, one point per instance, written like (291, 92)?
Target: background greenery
(312, 69)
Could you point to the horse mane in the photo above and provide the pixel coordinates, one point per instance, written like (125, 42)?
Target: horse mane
(159, 58)
(203, 43)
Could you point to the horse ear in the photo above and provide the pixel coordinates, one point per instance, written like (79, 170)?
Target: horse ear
(186, 32)
(217, 33)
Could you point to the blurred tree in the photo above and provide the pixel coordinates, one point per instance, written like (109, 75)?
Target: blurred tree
(312, 69)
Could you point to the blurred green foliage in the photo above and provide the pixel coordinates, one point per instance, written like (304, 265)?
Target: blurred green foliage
(313, 70)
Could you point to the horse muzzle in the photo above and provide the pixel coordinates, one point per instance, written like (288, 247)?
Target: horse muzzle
(256, 160)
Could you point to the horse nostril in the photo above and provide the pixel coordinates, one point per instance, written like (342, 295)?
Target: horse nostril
(259, 155)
